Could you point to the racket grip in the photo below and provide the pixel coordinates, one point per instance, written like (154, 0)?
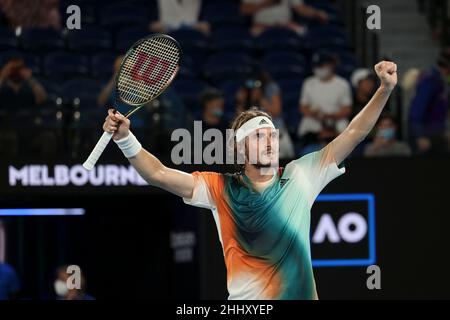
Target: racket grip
(98, 150)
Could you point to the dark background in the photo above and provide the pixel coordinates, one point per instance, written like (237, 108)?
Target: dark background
(123, 242)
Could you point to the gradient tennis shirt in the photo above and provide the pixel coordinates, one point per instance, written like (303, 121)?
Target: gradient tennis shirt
(265, 236)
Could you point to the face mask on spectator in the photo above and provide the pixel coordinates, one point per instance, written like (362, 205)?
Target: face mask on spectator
(387, 133)
(322, 72)
(61, 288)
(218, 112)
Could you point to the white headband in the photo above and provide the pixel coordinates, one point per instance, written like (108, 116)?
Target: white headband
(251, 125)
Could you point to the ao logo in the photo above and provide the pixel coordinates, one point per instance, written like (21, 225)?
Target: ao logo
(351, 227)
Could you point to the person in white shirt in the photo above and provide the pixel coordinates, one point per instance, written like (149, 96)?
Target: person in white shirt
(325, 100)
(278, 13)
(176, 14)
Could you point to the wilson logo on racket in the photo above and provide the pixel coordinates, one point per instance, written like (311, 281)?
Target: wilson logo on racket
(146, 66)
(146, 71)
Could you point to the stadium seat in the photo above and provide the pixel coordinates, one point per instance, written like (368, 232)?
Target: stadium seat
(60, 65)
(42, 40)
(32, 61)
(118, 15)
(285, 65)
(190, 91)
(281, 39)
(222, 14)
(291, 113)
(85, 89)
(8, 39)
(290, 88)
(190, 40)
(102, 65)
(328, 37)
(347, 58)
(230, 88)
(126, 37)
(89, 39)
(53, 88)
(232, 38)
(225, 66)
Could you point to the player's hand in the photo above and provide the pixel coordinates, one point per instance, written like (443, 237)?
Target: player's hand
(26, 73)
(117, 124)
(387, 72)
(6, 70)
(323, 17)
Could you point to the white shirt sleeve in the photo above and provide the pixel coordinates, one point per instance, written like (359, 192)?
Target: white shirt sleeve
(346, 95)
(305, 94)
(316, 170)
(201, 196)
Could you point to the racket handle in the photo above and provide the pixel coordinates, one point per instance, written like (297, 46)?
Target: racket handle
(98, 150)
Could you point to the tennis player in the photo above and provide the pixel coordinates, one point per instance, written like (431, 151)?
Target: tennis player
(263, 220)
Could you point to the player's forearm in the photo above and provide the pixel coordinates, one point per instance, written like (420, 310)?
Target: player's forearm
(365, 120)
(360, 126)
(158, 175)
(148, 166)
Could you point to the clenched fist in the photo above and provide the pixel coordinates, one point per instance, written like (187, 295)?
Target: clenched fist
(387, 72)
(117, 124)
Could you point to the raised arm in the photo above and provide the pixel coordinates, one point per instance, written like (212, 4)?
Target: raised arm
(366, 119)
(148, 166)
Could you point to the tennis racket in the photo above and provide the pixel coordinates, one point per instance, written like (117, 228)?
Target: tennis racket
(147, 69)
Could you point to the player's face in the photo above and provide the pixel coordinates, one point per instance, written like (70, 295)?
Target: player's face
(262, 147)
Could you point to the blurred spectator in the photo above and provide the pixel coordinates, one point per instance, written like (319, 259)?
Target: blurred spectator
(9, 282)
(64, 293)
(364, 84)
(18, 88)
(212, 102)
(32, 13)
(263, 92)
(385, 142)
(278, 13)
(107, 95)
(326, 100)
(176, 14)
(408, 85)
(429, 108)
(325, 136)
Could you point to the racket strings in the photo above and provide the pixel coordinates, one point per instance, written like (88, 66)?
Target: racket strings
(137, 87)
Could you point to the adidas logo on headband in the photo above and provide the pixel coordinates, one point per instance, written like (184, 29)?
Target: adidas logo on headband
(252, 125)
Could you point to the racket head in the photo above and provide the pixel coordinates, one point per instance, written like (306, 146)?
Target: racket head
(147, 69)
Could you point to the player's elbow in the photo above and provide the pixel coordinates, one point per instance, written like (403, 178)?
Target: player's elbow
(157, 177)
(355, 136)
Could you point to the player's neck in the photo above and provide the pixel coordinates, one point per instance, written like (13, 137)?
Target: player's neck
(257, 175)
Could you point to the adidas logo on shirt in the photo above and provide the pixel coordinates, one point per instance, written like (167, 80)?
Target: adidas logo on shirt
(263, 121)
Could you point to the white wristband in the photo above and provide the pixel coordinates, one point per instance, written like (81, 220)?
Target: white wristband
(129, 145)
